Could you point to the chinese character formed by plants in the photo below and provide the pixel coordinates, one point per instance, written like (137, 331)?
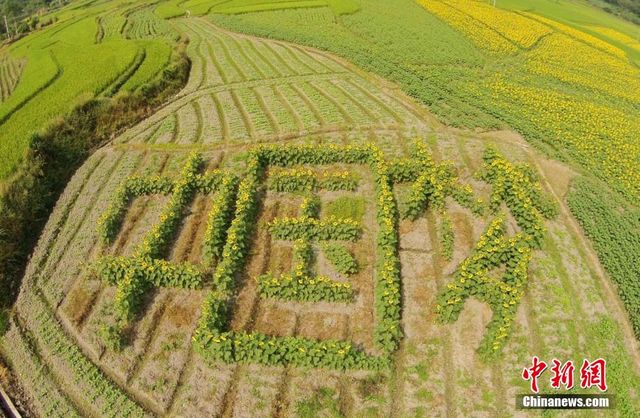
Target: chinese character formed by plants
(432, 183)
(215, 341)
(503, 294)
(516, 186)
(133, 276)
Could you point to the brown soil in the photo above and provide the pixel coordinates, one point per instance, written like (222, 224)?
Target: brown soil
(80, 301)
(272, 319)
(323, 327)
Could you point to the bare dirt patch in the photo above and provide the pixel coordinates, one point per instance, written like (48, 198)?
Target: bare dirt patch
(323, 327)
(273, 319)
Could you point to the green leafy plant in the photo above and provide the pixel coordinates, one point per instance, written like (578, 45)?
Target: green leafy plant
(472, 278)
(338, 181)
(293, 180)
(331, 228)
(340, 258)
(515, 185)
(306, 180)
(447, 237)
(304, 288)
(218, 220)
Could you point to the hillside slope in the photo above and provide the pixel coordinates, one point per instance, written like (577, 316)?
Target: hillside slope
(91, 50)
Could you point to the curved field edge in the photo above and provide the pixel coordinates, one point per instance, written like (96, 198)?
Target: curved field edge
(53, 155)
(69, 62)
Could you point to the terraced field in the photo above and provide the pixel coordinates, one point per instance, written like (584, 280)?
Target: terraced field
(10, 71)
(120, 44)
(254, 90)
(243, 92)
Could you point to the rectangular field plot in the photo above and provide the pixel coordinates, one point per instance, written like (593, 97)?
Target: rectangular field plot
(279, 258)
(310, 265)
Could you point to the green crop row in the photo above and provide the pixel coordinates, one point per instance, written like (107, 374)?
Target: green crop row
(159, 273)
(293, 180)
(156, 242)
(143, 24)
(291, 229)
(48, 399)
(304, 288)
(305, 180)
(102, 394)
(447, 238)
(214, 316)
(503, 295)
(613, 226)
(73, 60)
(516, 186)
(219, 218)
(111, 220)
(10, 71)
(255, 348)
(310, 207)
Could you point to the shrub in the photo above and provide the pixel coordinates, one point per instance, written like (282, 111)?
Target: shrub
(304, 288)
(613, 225)
(219, 218)
(291, 229)
(306, 180)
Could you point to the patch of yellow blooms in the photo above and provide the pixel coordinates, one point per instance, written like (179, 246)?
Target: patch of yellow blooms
(580, 36)
(617, 36)
(517, 28)
(603, 137)
(478, 32)
(571, 61)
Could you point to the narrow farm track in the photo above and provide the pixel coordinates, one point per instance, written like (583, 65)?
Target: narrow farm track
(609, 292)
(244, 91)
